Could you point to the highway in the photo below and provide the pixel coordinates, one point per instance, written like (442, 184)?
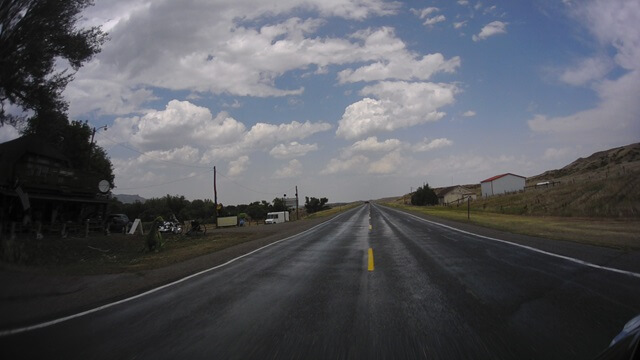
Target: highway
(428, 292)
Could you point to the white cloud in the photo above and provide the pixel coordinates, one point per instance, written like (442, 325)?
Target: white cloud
(239, 166)
(459, 24)
(424, 13)
(395, 61)
(372, 144)
(180, 121)
(428, 145)
(290, 170)
(434, 20)
(463, 2)
(354, 164)
(292, 150)
(389, 164)
(398, 105)
(210, 47)
(616, 115)
(586, 71)
(615, 119)
(491, 29)
(469, 113)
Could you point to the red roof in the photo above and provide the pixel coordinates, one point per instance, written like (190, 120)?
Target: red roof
(499, 176)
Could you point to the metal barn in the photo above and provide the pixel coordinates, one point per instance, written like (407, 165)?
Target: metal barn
(502, 184)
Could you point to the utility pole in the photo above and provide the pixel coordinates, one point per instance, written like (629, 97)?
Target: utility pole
(297, 213)
(215, 197)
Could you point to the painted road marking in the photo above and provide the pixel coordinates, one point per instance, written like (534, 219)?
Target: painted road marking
(370, 259)
(106, 306)
(568, 258)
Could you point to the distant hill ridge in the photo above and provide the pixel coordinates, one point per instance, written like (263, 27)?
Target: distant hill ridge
(129, 199)
(601, 164)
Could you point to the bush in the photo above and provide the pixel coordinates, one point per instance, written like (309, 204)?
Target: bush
(424, 195)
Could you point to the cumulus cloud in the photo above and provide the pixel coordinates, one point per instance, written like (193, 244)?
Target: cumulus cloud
(290, 170)
(396, 105)
(469, 113)
(179, 121)
(491, 29)
(239, 166)
(388, 164)
(292, 150)
(396, 61)
(355, 164)
(425, 14)
(428, 145)
(206, 49)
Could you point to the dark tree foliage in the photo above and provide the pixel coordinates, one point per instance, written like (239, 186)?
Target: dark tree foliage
(183, 209)
(34, 34)
(314, 204)
(278, 205)
(424, 195)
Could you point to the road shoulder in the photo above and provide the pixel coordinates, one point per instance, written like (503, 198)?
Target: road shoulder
(31, 296)
(602, 256)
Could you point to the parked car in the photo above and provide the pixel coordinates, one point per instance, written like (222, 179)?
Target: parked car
(118, 222)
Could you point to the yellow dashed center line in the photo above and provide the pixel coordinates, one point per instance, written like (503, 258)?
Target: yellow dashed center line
(370, 259)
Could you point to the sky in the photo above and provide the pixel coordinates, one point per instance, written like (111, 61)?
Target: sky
(353, 99)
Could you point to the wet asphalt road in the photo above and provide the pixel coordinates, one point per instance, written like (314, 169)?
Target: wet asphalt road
(434, 293)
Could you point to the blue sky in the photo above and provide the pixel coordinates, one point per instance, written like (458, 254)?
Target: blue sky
(354, 99)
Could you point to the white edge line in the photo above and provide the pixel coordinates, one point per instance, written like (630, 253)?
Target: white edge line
(578, 261)
(45, 324)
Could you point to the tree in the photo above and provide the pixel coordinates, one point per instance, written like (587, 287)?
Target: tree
(34, 35)
(424, 195)
(314, 204)
(278, 205)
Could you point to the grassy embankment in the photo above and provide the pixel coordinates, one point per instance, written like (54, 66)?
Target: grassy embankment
(621, 234)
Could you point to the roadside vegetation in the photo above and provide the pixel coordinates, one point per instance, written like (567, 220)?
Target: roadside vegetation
(623, 234)
(593, 200)
(118, 253)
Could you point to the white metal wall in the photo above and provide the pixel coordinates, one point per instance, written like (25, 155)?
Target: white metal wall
(503, 185)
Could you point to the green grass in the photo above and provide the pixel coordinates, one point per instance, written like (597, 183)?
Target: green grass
(613, 233)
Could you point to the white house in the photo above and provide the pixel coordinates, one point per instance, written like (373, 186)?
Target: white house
(502, 184)
(454, 195)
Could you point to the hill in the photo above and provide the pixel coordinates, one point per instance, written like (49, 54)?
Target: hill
(605, 184)
(129, 199)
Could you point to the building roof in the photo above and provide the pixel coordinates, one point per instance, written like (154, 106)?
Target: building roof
(499, 176)
(12, 150)
(445, 190)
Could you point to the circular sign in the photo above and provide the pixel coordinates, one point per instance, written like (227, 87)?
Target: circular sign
(104, 186)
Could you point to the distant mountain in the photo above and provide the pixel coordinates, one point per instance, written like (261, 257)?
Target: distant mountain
(129, 199)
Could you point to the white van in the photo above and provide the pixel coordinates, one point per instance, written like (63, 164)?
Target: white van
(277, 217)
